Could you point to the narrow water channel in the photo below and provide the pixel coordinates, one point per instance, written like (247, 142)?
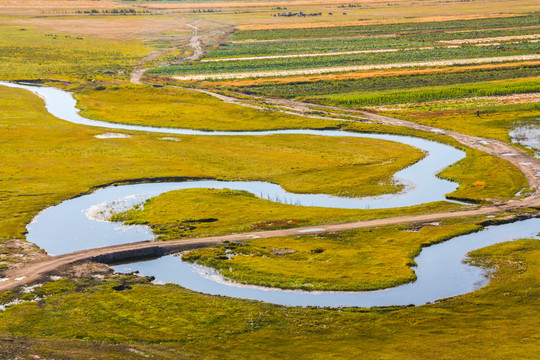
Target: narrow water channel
(440, 269)
(80, 223)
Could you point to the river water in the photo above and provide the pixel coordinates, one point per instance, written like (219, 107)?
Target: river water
(527, 133)
(80, 223)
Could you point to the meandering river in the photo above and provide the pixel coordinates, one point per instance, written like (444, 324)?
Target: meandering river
(80, 223)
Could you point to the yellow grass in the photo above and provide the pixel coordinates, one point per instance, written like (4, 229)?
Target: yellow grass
(46, 160)
(116, 27)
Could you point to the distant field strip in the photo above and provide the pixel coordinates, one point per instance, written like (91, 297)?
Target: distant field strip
(454, 43)
(375, 74)
(491, 39)
(334, 53)
(318, 30)
(506, 99)
(357, 68)
(364, 36)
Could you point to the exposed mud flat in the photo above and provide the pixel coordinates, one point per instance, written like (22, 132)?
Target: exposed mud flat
(527, 134)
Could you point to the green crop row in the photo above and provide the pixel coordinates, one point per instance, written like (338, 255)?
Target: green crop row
(347, 60)
(433, 93)
(406, 27)
(315, 88)
(358, 43)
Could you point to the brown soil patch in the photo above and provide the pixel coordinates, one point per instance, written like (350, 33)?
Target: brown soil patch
(15, 253)
(116, 27)
(372, 74)
(86, 270)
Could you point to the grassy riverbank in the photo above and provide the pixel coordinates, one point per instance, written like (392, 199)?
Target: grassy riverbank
(184, 324)
(90, 48)
(175, 107)
(62, 160)
(367, 259)
(176, 214)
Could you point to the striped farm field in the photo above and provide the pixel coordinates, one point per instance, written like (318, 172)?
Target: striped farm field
(450, 62)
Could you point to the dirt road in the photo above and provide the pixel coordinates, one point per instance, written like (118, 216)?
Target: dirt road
(36, 271)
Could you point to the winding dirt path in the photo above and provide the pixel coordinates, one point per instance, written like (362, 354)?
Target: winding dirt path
(195, 42)
(38, 270)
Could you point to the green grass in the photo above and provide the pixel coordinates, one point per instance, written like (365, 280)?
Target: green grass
(168, 322)
(431, 93)
(45, 160)
(484, 178)
(175, 107)
(177, 214)
(316, 62)
(493, 122)
(403, 27)
(366, 259)
(30, 53)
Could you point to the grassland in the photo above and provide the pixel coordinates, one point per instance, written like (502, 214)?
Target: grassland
(175, 214)
(45, 161)
(175, 107)
(29, 53)
(494, 121)
(62, 160)
(346, 261)
(376, 258)
(486, 323)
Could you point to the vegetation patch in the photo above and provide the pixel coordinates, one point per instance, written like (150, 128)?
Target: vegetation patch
(46, 161)
(40, 54)
(408, 81)
(432, 93)
(175, 107)
(359, 260)
(492, 121)
(388, 29)
(171, 214)
(501, 316)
